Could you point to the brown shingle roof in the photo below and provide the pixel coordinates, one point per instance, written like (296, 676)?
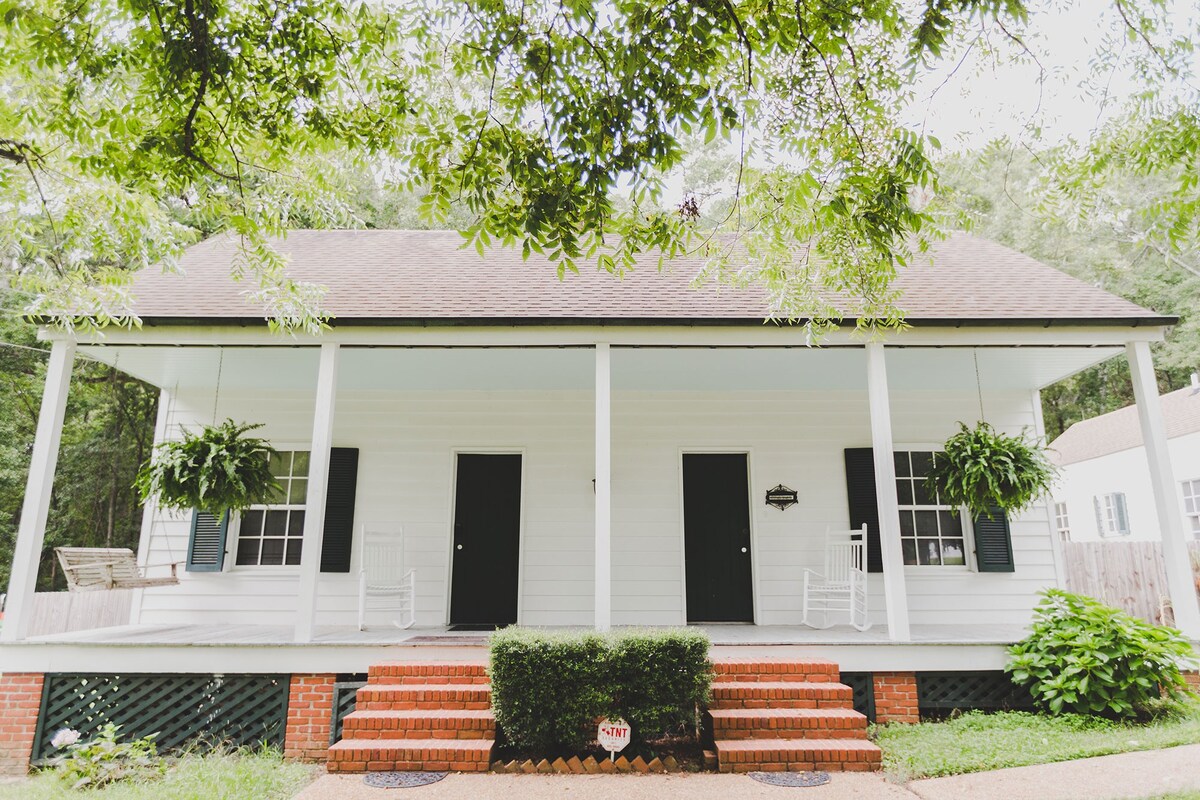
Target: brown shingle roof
(410, 276)
(1120, 430)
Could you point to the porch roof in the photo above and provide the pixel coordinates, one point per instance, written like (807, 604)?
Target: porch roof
(427, 277)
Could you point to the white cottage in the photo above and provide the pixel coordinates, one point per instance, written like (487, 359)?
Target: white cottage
(1104, 490)
(584, 452)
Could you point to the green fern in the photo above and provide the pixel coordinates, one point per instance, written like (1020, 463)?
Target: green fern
(216, 470)
(983, 469)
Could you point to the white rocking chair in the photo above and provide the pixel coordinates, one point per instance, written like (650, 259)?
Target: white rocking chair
(383, 583)
(842, 586)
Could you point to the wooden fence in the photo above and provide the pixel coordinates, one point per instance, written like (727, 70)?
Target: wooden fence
(63, 612)
(1128, 575)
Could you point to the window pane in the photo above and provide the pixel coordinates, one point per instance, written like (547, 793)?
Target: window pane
(297, 495)
(278, 494)
(909, 548)
(300, 464)
(901, 461)
(295, 523)
(272, 552)
(247, 552)
(953, 553)
(927, 523)
(921, 494)
(276, 523)
(921, 462)
(950, 524)
(281, 464)
(252, 523)
(928, 551)
(904, 491)
(293, 552)
(907, 526)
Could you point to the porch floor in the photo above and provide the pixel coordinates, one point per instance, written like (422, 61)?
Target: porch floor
(732, 635)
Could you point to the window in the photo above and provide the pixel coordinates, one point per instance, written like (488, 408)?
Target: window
(271, 534)
(1191, 505)
(930, 532)
(1061, 522)
(1112, 516)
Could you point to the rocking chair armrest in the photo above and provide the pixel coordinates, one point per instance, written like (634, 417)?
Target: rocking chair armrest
(814, 573)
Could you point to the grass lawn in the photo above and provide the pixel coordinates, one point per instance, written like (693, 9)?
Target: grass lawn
(977, 741)
(218, 776)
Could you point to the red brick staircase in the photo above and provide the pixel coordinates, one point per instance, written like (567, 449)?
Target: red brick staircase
(787, 715)
(418, 716)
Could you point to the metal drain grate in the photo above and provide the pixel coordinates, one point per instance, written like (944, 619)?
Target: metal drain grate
(401, 780)
(794, 779)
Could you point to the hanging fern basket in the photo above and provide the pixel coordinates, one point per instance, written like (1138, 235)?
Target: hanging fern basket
(985, 470)
(216, 469)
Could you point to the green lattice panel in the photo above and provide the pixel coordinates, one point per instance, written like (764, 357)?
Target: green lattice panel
(863, 686)
(345, 695)
(181, 709)
(939, 693)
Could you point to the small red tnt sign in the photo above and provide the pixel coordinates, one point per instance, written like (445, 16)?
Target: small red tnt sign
(612, 735)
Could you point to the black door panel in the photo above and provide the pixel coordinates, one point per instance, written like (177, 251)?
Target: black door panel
(487, 540)
(716, 533)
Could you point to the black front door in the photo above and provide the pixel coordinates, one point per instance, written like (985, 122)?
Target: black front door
(487, 540)
(716, 535)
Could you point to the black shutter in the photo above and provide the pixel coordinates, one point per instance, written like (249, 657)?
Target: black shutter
(206, 542)
(993, 543)
(864, 505)
(338, 542)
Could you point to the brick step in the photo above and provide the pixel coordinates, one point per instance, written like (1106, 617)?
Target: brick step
(781, 694)
(775, 670)
(428, 672)
(430, 755)
(419, 724)
(401, 697)
(794, 755)
(788, 723)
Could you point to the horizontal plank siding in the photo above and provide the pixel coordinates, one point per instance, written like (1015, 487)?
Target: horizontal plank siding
(407, 442)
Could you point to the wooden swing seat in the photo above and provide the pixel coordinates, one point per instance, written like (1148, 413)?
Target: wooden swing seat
(97, 568)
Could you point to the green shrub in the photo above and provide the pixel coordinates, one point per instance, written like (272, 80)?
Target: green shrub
(1086, 657)
(548, 689)
(103, 759)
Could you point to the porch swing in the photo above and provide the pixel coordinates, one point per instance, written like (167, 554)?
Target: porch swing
(102, 568)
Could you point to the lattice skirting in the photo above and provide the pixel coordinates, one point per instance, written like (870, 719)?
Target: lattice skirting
(181, 709)
(864, 692)
(940, 693)
(345, 695)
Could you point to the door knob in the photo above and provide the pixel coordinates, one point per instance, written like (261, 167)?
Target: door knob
(458, 547)
(744, 549)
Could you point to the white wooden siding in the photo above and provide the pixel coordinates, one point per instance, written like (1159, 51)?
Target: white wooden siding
(407, 441)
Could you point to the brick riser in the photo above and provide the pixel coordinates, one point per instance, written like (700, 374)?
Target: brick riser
(418, 717)
(776, 715)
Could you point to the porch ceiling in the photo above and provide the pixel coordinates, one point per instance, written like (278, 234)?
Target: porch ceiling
(283, 368)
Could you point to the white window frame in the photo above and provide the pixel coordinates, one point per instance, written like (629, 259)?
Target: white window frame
(235, 524)
(1191, 505)
(1062, 521)
(963, 517)
(1110, 508)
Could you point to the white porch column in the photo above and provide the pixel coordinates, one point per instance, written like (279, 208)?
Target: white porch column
(318, 487)
(31, 533)
(1166, 490)
(885, 493)
(1056, 543)
(603, 487)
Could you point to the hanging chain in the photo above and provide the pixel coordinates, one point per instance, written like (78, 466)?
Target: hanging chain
(217, 391)
(978, 384)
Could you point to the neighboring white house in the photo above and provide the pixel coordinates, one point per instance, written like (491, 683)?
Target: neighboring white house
(590, 451)
(1104, 489)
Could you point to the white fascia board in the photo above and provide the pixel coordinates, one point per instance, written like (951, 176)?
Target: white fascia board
(766, 335)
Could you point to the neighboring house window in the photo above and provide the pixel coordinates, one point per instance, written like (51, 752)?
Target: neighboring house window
(271, 534)
(1191, 505)
(930, 532)
(1112, 516)
(1062, 523)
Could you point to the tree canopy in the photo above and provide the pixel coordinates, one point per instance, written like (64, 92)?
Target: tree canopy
(129, 128)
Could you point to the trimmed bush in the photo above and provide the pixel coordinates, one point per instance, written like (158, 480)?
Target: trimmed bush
(548, 689)
(1086, 657)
